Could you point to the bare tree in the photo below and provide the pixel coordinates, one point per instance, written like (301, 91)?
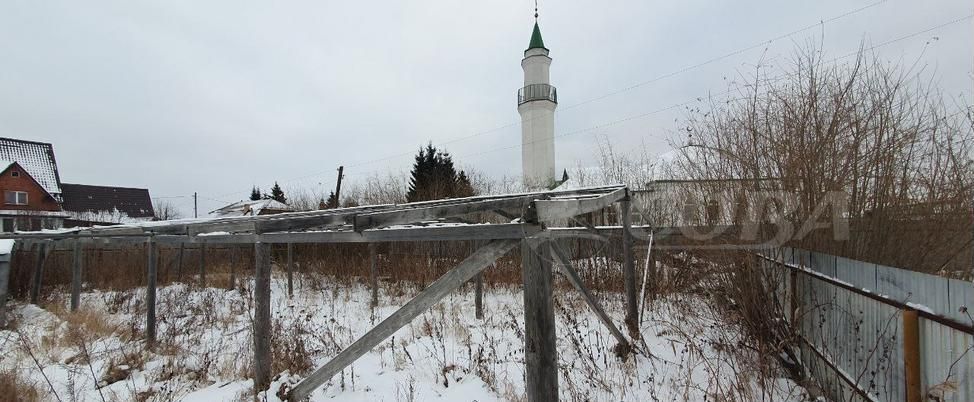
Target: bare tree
(165, 210)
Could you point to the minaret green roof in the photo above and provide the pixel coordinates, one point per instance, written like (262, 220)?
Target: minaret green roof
(536, 42)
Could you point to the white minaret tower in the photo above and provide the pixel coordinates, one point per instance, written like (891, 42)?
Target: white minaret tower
(536, 102)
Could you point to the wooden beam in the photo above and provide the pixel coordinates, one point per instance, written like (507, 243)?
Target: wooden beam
(290, 270)
(556, 209)
(4, 287)
(152, 256)
(629, 270)
(281, 225)
(540, 346)
(373, 275)
(414, 215)
(413, 308)
(262, 316)
(35, 286)
(911, 355)
(431, 233)
(566, 268)
(76, 276)
(202, 267)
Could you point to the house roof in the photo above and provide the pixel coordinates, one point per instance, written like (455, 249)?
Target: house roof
(249, 207)
(37, 158)
(134, 202)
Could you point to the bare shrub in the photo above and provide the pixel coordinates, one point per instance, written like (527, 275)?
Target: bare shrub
(15, 389)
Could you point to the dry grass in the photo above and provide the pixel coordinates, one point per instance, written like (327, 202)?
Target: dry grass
(15, 389)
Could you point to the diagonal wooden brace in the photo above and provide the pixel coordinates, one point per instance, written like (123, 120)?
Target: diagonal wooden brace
(566, 267)
(447, 283)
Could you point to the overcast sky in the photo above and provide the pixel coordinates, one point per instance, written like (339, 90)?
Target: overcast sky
(216, 96)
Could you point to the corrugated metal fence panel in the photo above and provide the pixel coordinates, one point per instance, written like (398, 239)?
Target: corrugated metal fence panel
(861, 337)
(961, 298)
(856, 273)
(946, 361)
(822, 263)
(914, 287)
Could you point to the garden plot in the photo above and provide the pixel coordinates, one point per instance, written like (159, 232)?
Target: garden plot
(204, 352)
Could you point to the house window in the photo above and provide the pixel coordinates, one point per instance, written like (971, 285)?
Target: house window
(14, 173)
(15, 197)
(7, 225)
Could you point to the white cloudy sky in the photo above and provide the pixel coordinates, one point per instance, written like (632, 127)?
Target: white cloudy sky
(181, 96)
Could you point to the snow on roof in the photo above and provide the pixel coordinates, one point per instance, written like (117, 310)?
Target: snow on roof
(37, 158)
(249, 208)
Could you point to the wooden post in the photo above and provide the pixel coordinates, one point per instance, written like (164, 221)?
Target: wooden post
(374, 275)
(540, 352)
(35, 286)
(262, 316)
(478, 288)
(179, 262)
(629, 270)
(233, 267)
(290, 270)
(794, 300)
(4, 287)
(911, 355)
(202, 265)
(478, 295)
(152, 262)
(76, 276)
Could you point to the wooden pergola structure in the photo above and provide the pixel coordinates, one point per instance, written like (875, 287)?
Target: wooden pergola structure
(534, 220)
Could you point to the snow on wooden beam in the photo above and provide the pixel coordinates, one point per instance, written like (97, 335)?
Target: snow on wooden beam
(555, 209)
(413, 215)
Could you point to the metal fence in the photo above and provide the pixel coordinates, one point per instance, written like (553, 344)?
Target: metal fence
(872, 332)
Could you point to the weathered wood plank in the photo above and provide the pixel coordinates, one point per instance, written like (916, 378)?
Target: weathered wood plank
(413, 215)
(152, 256)
(35, 286)
(540, 350)
(76, 276)
(629, 269)
(413, 308)
(566, 267)
(262, 316)
(290, 270)
(202, 267)
(374, 275)
(433, 233)
(553, 210)
(4, 287)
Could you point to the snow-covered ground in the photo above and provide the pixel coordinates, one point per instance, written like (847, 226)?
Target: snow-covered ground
(204, 351)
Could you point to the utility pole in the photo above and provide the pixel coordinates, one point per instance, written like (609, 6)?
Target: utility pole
(195, 212)
(338, 187)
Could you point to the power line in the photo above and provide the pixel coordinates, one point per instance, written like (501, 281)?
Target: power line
(629, 88)
(681, 104)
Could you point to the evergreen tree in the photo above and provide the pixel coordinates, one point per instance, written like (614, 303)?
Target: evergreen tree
(434, 177)
(332, 200)
(255, 194)
(464, 188)
(277, 194)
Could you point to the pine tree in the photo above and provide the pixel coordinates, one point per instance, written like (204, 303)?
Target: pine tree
(277, 194)
(255, 194)
(434, 177)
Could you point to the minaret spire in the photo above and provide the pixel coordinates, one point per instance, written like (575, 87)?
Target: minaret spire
(536, 103)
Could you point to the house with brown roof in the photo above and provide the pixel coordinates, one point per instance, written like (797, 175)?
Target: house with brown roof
(35, 198)
(89, 205)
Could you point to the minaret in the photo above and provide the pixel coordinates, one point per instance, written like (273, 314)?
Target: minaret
(536, 102)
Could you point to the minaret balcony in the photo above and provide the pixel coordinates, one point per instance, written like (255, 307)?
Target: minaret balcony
(535, 92)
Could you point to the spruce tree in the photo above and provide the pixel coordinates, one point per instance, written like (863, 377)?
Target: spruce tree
(332, 200)
(255, 194)
(434, 177)
(277, 194)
